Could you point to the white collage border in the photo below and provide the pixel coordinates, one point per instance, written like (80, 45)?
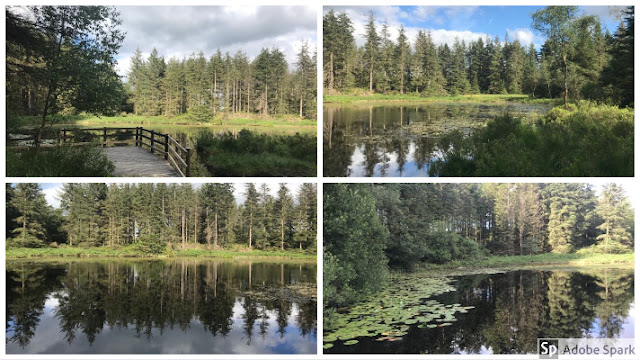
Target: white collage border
(631, 184)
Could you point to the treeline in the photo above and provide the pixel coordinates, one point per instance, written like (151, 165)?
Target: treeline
(224, 83)
(368, 227)
(577, 60)
(153, 217)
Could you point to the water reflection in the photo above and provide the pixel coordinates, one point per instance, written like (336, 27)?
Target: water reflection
(397, 140)
(180, 306)
(512, 310)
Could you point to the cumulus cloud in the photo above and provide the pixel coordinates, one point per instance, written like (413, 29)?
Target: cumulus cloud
(179, 31)
(458, 16)
(52, 194)
(524, 36)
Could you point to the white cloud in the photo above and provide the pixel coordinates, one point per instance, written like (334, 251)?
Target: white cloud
(51, 194)
(393, 16)
(524, 36)
(179, 31)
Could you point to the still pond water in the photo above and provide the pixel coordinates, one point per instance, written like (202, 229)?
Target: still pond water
(400, 140)
(177, 306)
(501, 313)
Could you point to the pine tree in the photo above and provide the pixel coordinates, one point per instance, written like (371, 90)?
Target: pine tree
(371, 48)
(613, 207)
(402, 59)
(30, 204)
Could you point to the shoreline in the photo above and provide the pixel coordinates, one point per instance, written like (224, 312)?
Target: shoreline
(533, 262)
(122, 254)
(343, 99)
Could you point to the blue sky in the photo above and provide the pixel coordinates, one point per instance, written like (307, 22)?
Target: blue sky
(465, 22)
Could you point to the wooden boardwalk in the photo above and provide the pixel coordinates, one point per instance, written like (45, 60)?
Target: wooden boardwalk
(135, 161)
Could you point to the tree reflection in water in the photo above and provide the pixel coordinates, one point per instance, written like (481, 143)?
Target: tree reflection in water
(514, 309)
(147, 299)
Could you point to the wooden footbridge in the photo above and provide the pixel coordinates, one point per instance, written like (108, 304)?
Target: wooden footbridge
(153, 154)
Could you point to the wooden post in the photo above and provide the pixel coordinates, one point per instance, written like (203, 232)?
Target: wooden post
(64, 135)
(136, 137)
(152, 140)
(166, 146)
(104, 137)
(188, 170)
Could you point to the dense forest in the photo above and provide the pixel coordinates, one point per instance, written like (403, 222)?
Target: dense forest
(370, 227)
(577, 61)
(61, 60)
(223, 83)
(156, 217)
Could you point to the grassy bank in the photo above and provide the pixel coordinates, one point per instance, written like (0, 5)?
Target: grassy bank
(131, 252)
(537, 261)
(412, 97)
(249, 120)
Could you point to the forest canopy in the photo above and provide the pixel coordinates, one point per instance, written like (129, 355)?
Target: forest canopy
(153, 218)
(371, 227)
(578, 60)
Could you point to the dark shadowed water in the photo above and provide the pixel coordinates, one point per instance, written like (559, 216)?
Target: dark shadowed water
(174, 306)
(511, 310)
(400, 140)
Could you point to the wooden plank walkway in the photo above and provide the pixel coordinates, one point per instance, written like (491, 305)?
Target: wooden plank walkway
(135, 161)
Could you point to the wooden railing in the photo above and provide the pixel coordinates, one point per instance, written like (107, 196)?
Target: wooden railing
(177, 155)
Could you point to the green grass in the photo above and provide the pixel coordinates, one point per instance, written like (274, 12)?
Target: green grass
(231, 120)
(540, 260)
(131, 252)
(412, 97)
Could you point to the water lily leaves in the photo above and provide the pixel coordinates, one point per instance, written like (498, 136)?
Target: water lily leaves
(327, 346)
(351, 342)
(406, 302)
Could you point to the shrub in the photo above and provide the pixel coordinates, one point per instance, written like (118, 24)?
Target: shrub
(150, 244)
(59, 161)
(25, 242)
(251, 154)
(585, 140)
(200, 113)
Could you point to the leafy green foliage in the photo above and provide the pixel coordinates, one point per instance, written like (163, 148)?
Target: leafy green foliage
(150, 244)
(593, 140)
(58, 162)
(250, 154)
(200, 113)
(354, 240)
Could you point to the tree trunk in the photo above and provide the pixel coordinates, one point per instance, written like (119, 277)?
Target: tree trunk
(282, 233)
(371, 76)
(566, 87)
(331, 71)
(215, 234)
(250, 228)
(301, 107)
